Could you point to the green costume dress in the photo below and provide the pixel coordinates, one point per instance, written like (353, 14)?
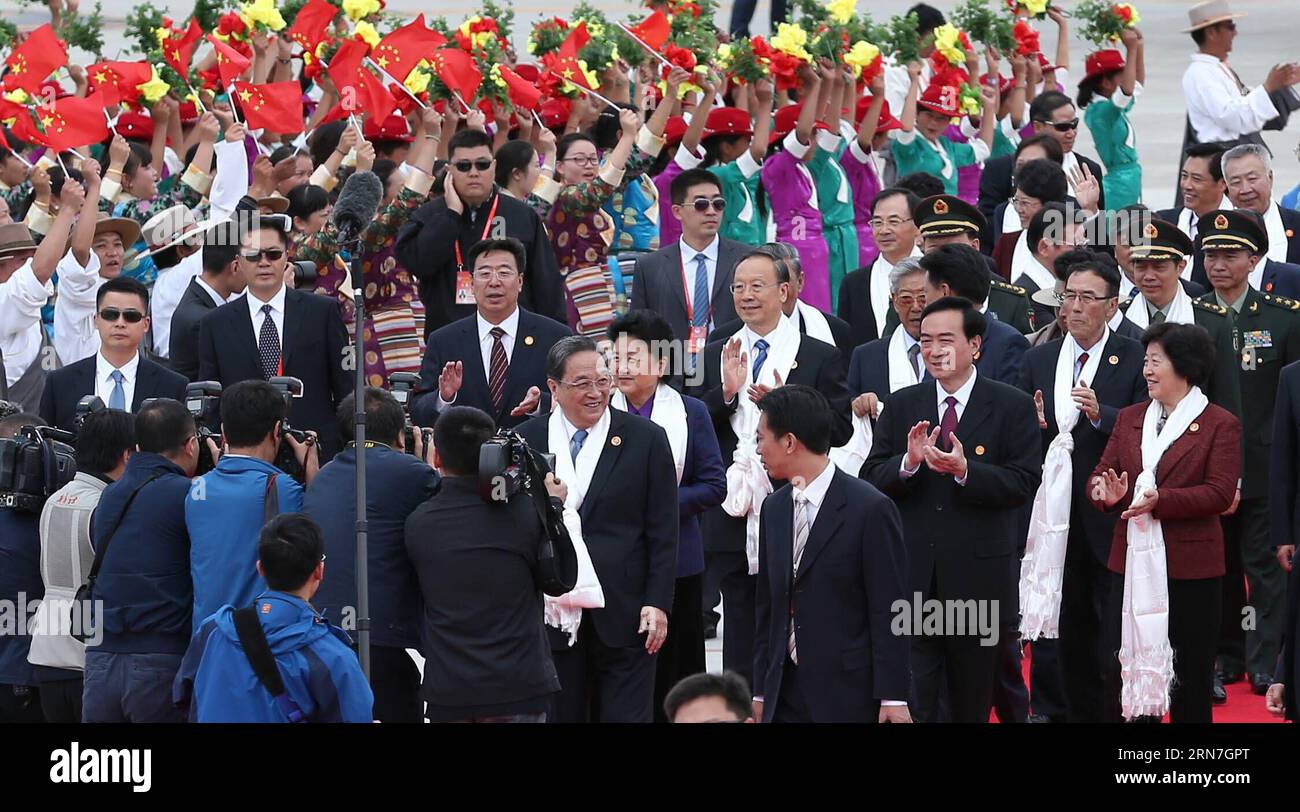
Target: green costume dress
(1116, 142)
(835, 198)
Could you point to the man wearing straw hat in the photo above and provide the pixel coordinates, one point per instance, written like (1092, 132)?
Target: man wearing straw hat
(175, 241)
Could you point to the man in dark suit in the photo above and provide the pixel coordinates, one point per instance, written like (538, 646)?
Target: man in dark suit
(1202, 190)
(874, 373)
(117, 373)
(767, 352)
(960, 488)
(708, 261)
(1266, 336)
(1051, 232)
(625, 485)
(494, 360)
(275, 330)
(1248, 172)
(997, 184)
(1113, 380)
(864, 293)
(832, 564)
(219, 280)
(1284, 483)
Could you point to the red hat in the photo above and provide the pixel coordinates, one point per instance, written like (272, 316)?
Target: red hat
(1100, 63)
(728, 121)
(941, 99)
(997, 80)
(393, 128)
(785, 120)
(189, 112)
(135, 124)
(529, 73)
(555, 112)
(1044, 64)
(887, 121)
(674, 130)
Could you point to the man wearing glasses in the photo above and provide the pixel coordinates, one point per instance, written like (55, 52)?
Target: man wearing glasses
(273, 330)
(438, 237)
(116, 373)
(1079, 382)
(495, 359)
(864, 294)
(1054, 114)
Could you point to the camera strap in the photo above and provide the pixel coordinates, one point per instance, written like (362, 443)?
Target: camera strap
(270, 500)
(252, 637)
(103, 547)
(553, 523)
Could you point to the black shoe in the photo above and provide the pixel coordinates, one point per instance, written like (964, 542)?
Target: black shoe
(1259, 683)
(1229, 677)
(1217, 693)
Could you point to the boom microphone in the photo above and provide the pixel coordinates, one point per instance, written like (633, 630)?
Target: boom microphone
(357, 204)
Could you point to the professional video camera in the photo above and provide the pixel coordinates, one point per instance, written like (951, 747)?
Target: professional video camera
(85, 406)
(508, 467)
(289, 388)
(401, 385)
(33, 465)
(304, 274)
(203, 399)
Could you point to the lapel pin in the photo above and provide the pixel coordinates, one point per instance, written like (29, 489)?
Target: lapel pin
(794, 366)
(528, 340)
(1194, 427)
(1114, 360)
(1267, 289)
(616, 441)
(1290, 233)
(979, 450)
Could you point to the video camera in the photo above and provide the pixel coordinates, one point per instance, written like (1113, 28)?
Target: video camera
(85, 406)
(304, 274)
(289, 388)
(33, 465)
(203, 399)
(401, 385)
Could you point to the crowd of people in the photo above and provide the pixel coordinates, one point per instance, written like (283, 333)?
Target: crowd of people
(856, 363)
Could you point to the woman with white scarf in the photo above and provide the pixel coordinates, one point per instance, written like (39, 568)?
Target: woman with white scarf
(642, 348)
(1172, 467)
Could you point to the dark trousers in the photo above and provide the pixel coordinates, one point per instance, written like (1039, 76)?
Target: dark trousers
(20, 703)
(1010, 696)
(743, 11)
(1084, 593)
(600, 683)
(682, 653)
(1250, 641)
(61, 701)
(395, 681)
(129, 687)
(1193, 634)
(730, 571)
(952, 672)
(791, 706)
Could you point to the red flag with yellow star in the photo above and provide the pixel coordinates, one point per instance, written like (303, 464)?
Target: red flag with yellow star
(118, 81)
(31, 63)
(523, 94)
(401, 50)
(179, 50)
(275, 107)
(231, 64)
(653, 30)
(457, 71)
(72, 122)
(346, 63)
(308, 29)
(566, 67)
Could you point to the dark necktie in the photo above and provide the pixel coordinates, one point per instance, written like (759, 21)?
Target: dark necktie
(1078, 370)
(1158, 317)
(759, 356)
(575, 443)
(913, 353)
(700, 298)
(268, 344)
(500, 367)
(948, 424)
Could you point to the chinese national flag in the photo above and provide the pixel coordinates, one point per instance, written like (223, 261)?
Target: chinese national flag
(118, 81)
(31, 63)
(523, 94)
(309, 26)
(230, 63)
(275, 107)
(653, 30)
(372, 97)
(346, 63)
(73, 122)
(179, 50)
(399, 52)
(577, 38)
(565, 66)
(457, 71)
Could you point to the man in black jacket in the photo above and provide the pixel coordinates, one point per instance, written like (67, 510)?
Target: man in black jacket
(441, 232)
(488, 659)
(219, 280)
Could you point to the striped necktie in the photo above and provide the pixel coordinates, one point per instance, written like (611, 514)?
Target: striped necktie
(801, 528)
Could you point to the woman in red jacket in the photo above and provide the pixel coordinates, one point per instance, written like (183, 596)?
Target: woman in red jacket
(1172, 467)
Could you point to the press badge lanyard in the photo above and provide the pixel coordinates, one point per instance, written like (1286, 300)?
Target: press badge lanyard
(699, 333)
(464, 283)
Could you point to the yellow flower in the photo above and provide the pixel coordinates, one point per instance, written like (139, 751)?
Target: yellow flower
(969, 106)
(1035, 7)
(19, 96)
(592, 79)
(418, 80)
(495, 76)
(842, 10)
(162, 32)
(595, 29)
(1134, 17)
(465, 26)
(860, 56)
(947, 43)
(724, 54)
(367, 32)
(264, 12)
(155, 88)
(791, 39)
(360, 9)
(683, 90)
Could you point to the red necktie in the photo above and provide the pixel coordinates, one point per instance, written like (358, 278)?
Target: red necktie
(1078, 373)
(500, 366)
(948, 424)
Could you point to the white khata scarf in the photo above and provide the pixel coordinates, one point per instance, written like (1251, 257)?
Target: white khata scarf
(1179, 310)
(669, 414)
(850, 456)
(565, 612)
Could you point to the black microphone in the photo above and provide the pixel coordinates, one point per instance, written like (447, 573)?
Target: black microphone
(357, 204)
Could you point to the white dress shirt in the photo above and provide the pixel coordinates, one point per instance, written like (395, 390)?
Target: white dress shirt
(277, 315)
(212, 292)
(168, 289)
(1070, 163)
(1217, 107)
(908, 344)
(879, 289)
(75, 336)
(104, 381)
(941, 396)
(21, 300)
(510, 324)
(689, 262)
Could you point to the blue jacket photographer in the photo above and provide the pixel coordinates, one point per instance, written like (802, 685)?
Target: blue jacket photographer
(396, 484)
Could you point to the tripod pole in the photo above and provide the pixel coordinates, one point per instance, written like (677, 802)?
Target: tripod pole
(359, 436)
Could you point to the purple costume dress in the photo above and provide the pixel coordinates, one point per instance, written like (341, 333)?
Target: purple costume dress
(968, 177)
(861, 172)
(793, 202)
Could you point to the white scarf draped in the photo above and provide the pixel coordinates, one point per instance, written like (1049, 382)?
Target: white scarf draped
(815, 323)
(1146, 659)
(669, 414)
(1043, 565)
(1034, 270)
(1179, 310)
(747, 481)
(850, 456)
(565, 612)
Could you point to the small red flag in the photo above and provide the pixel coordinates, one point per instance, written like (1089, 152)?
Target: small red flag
(178, 50)
(346, 63)
(309, 26)
(577, 38)
(373, 97)
(401, 50)
(653, 30)
(72, 122)
(457, 71)
(523, 94)
(275, 107)
(31, 63)
(565, 66)
(118, 81)
(230, 63)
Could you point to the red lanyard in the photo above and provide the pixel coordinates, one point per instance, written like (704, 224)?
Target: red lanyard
(690, 298)
(487, 226)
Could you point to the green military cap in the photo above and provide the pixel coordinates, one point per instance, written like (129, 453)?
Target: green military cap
(1232, 229)
(1161, 240)
(944, 215)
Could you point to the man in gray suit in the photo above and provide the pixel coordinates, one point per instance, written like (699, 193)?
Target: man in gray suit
(688, 282)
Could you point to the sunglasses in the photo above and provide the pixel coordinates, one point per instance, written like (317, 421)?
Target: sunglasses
(702, 204)
(111, 314)
(481, 164)
(1062, 126)
(272, 254)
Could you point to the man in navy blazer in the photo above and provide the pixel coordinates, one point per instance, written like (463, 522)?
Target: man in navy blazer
(959, 270)
(1284, 488)
(117, 373)
(494, 360)
(832, 565)
(869, 366)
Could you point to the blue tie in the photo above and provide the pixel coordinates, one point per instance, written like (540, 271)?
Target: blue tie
(760, 356)
(117, 398)
(700, 313)
(575, 443)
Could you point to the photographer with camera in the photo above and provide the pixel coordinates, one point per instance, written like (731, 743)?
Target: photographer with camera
(20, 578)
(117, 373)
(142, 585)
(219, 282)
(396, 484)
(105, 443)
(227, 506)
(483, 565)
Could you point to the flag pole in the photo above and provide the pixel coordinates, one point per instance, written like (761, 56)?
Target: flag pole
(592, 93)
(468, 109)
(648, 49)
(230, 92)
(390, 78)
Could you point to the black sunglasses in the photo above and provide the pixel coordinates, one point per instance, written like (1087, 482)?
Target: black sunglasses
(1062, 126)
(111, 314)
(702, 204)
(481, 164)
(272, 254)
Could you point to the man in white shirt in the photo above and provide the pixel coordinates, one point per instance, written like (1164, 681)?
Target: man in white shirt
(864, 293)
(1248, 172)
(175, 243)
